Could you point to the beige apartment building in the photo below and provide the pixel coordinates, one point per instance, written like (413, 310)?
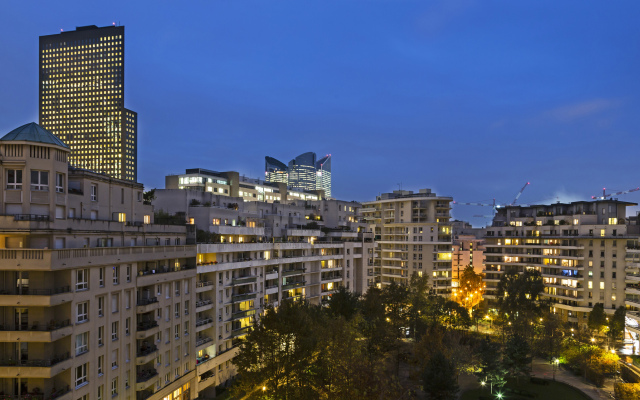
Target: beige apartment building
(412, 235)
(579, 248)
(467, 250)
(255, 254)
(96, 300)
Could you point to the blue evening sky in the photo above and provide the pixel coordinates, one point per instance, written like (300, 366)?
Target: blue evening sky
(469, 98)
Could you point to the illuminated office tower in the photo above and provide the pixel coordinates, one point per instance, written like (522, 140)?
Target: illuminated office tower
(275, 171)
(82, 99)
(302, 171)
(323, 175)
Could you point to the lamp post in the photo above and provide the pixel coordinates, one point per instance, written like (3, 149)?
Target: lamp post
(555, 366)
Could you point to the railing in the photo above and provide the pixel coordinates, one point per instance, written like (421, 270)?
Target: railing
(36, 292)
(51, 326)
(293, 285)
(143, 351)
(147, 301)
(164, 269)
(202, 303)
(243, 297)
(204, 321)
(35, 363)
(145, 375)
(293, 271)
(242, 314)
(31, 217)
(240, 331)
(143, 326)
(244, 279)
(204, 284)
(202, 340)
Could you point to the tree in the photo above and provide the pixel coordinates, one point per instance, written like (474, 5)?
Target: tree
(548, 336)
(470, 288)
(418, 299)
(344, 303)
(439, 378)
(518, 299)
(617, 323)
(455, 315)
(396, 299)
(491, 370)
(516, 357)
(597, 318)
(149, 196)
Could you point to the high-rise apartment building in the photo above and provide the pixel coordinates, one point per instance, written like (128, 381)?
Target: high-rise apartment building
(255, 254)
(578, 247)
(96, 300)
(323, 175)
(82, 99)
(412, 235)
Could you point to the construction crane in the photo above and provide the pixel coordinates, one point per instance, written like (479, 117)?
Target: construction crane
(493, 205)
(605, 195)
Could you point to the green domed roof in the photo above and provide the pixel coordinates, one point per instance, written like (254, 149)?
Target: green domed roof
(33, 132)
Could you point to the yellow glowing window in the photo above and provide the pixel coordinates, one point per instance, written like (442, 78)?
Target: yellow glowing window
(602, 232)
(601, 285)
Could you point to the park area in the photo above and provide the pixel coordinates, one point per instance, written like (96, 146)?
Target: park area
(526, 389)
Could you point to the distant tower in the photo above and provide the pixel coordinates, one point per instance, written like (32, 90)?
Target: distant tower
(302, 172)
(82, 99)
(323, 175)
(275, 171)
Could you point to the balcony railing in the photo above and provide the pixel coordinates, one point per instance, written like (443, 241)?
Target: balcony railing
(204, 284)
(51, 326)
(164, 269)
(147, 301)
(35, 363)
(203, 321)
(242, 297)
(202, 340)
(202, 303)
(145, 350)
(293, 285)
(146, 325)
(36, 292)
(145, 375)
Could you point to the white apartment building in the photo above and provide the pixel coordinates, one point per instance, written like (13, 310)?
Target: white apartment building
(252, 255)
(579, 248)
(96, 300)
(412, 235)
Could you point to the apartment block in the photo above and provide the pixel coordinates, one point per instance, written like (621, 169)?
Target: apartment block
(412, 235)
(97, 300)
(467, 250)
(253, 255)
(232, 184)
(578, 248)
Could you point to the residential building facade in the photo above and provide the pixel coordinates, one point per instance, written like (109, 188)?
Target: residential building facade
(253, 255)
(578, 248)
(412, 235)
(97, 300)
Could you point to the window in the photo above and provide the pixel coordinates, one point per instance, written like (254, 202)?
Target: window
(100, 391)
(177, 331)
(82, 343)
(128, 273)
(186, 307)
(114, 359)
(94, 193)
(100, 335)
(126, 379)
(40, 180)
(177, 288)
(114, 387)
(114, 330)
(81, 375)
(601, 285)
(186, 328)
(82, 312)
(100, 306)
(116, 275)
(100, 365)
(177, 310)
(82, 279)
(59, 182)
(14, 179)
(127, 325)
(147, 219)
(101, 277)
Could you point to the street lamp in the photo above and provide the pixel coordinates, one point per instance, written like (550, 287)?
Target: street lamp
(499, 395)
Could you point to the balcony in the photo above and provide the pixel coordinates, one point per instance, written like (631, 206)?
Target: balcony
(243, 280)
(203, 340)
(143, 378)
(36, 332)
(45, 368)
(236, 298)
(203, 321)
(242, 314)
(36, 297)
(293, 285)
(146, 353)
(293, 272)
(203, 286)
(203, 303)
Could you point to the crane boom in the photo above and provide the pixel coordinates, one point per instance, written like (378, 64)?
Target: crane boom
(520, 193)
(605, 195)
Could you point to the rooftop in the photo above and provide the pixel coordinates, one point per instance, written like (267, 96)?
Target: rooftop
(33, 132)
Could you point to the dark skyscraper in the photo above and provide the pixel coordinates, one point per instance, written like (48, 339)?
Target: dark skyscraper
(82, 99)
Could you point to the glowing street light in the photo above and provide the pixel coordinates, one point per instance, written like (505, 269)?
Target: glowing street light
(499, 395)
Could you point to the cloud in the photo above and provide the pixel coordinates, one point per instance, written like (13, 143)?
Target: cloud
(571, 112)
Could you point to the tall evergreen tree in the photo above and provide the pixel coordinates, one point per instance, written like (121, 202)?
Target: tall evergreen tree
(439, 378)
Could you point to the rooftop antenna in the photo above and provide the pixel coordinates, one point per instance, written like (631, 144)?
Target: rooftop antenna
(399, 186)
